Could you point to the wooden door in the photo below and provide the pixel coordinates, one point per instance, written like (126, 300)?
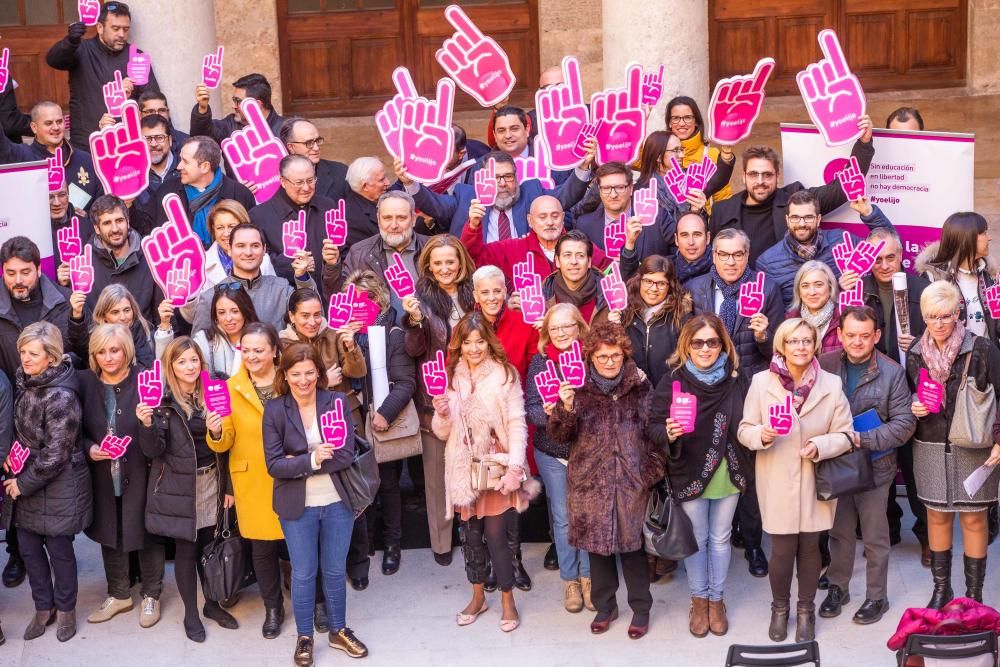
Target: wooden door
(337, 56)
(30, 28)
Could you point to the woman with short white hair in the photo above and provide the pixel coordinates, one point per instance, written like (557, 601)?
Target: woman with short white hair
(814, 299)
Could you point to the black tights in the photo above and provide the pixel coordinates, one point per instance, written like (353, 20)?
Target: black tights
(186, 570)
(485, 540)
(801, 552)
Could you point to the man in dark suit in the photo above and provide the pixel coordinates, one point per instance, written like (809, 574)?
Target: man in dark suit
(255, 86)
(301, 137)
(366, 181)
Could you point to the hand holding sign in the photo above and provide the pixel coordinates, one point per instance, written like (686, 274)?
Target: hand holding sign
(151, 386)
(613, 288)
(547, 382)
(645, 204)
(779, 416)
(842, 252)
(389, 118)
(698, 174)
(139, 66)
(930, 392)
(587, 132)
(652, 87)
(341, 307)
(676, 181)
(624, 122)
(399, 278)
(178, 290)
(68, 240)
(293, 236)
(57, 173)
(216, 394)
(333, 426)
(751, 298)
(254, 152)
(614, 236)
(852, 181)
(115, 446)
(476, 62)
(486, 183)
(121, 155)
(435, 376)
(832, 94)
(524, 272)
(736, 104)
(683, 408)
(863, 258)
(81, 271)
(532, 301)
(336, 224)
(114, 95)
(89, 11)
(562, 117)
(4, 68)
(852, 298)
(211, 68)
(18, 457)
(175, 245)
(571, 364)
(426, 139)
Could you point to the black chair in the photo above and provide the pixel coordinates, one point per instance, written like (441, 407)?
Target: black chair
(782, 655)
(950, 647)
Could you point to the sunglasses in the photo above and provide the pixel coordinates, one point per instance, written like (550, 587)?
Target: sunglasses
(711, 343)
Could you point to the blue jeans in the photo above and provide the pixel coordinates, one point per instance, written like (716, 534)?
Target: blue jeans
(713, 523)
(321, 532)
(573, 563)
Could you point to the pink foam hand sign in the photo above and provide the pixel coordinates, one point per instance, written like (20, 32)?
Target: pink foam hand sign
(613, 288)
(66, 123)
(524, 272)
(293, 236)
(89, 11)
(571, 364)
(851, 298)
(547, 382)
(57, 173)
(121, 155)
(751, 298)
(114, 95)
(779, 416)
(341, 308)
(535, 166)
(676, 181)
(645, 204)
(18, 457)
(178, 290)
(174, 245)
(476, 62)
(623, 120)
(532, 301)
(81, 271)
(139, 66)
(115, 446)
(562, 117)
(389, 118)
(698, 174)
(365, 311)
(150, 384)
(4, 68)
(587, 132)
(832, 94)
(486, 183)
(842, 252)
(68, 240)
(336, 224)
(211, 68)
(930, 392)
(652, 87)
(863, 258)
(614, 236)
(254, 152)
(993, 299)
(435, 376)
(426, 140)
(399, 278)
(736, 104)
(333, 426)
(216, 394)
(852, 181)
(683, 408)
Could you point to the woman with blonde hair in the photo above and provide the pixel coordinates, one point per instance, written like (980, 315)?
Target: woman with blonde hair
(115, 305)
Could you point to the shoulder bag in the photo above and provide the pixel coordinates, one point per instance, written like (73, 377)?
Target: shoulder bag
(360, 479)
(667, 531)
(844, 475)
(974, 413)
(401, 441)
(225, 565)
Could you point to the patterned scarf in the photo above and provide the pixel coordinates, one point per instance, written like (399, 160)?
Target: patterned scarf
(730, 297)
(800, 392)
(820, 318)
(939, 361)
(804, 251)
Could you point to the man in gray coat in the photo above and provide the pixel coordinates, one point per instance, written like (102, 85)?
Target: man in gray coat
(879, 395)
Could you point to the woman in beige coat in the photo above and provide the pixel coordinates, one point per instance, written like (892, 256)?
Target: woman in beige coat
(814, 403)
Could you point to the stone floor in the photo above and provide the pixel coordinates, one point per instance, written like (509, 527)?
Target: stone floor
(409, 620)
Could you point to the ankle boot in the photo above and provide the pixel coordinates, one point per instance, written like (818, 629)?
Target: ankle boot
(65, 625)
(521, 578)
(941, 572)
(975, 573)
(778, 631)
(805, 622)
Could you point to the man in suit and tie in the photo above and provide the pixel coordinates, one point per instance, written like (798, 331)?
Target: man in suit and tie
(301, 137)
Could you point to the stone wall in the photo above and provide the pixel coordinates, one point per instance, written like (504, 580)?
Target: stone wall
(984, 46)
(573, 28)
(249, 29)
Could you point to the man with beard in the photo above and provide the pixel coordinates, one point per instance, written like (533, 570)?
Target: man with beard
(367, 182)
(760, 210)
(301, 137)
(575, 280)
(255, 86)
(92, 63)
(117, 257)
(156, 132)
(154, 103)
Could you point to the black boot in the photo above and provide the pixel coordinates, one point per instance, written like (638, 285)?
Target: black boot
(975, 573)
(521, 578)
(805, 622)
(941, 572)
(273, 618)
(778, 631)
(490, 584)
(14, 571)
(390, 559)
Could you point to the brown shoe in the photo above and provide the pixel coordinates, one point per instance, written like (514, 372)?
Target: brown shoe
(925, 555)
(718, 622)
(587, 585)
(573, 598)
(345, 640)
(698, 623)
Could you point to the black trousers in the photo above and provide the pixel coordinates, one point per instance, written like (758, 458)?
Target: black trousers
(186, 569)
(118, 565)
(12, 547)
(904, 455)
(358, 561)
(604, 581)
(51, 566)
(485, 540)
(798, 552)
(747, 521)
(391, 502)
(265, 565)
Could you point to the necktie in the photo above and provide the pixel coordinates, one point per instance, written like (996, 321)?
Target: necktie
(503, 226)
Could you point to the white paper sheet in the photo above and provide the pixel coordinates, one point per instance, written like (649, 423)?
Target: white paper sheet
(377, 372)
(975, 481)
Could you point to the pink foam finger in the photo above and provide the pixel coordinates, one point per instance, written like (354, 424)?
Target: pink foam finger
(461, 22)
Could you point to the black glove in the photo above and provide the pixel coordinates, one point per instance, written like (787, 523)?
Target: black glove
(76, 32)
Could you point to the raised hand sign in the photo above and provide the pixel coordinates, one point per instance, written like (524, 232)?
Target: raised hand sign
(683, 408)
(333, 426)
(139, 66)
(211, 68)
(89, 11)
(676, 181)
(645, 204)
(562, 117)
(698, 174)
(736, 104)
(863, 258)
(842, 252)
(852, 181)
(336, 224)
(524, 272)
(476, 62)
(851, 298)
(4, 68)
(293, 236)
(150, 385)
(779, 416)
(216, 393)
(547, 383)
(174, 245)
(426, 139)
(121, 155)
(614, 236)
(587, 132)
(254, 152)
(623, 122)
(535, 166)
(57, 173)
(435, 376)
(532, 301)
(18, 457)
(486, 183)
(179, 284)
(399, 278)
(929, 391)
(992, 297)
(114, 95)
(571, 364)
(81, 271)
(613, 288)
(751, 298)
(389, 118)
(652, 87)
(341, 308)
(115, 446)
(832, 94)
(68, 240)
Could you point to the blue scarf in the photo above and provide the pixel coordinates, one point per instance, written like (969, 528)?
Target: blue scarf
(200, 203)
(730, 295)
(713, 374)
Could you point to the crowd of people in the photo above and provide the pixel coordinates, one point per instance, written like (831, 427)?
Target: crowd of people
(72, 364)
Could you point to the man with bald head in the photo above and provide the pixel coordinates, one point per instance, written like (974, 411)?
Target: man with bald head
(301, 137)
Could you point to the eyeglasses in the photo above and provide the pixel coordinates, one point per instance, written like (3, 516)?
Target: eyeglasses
(237, 100)
(564, 328)
(799, 342)
(312, 143)
(156, 138)
(605, 359)
(674, 120)
(617, 189)
(735, 257)
(506, 178)
(711, 343)
(808, 219)
(162, 111)
(649, 283)
(302, 182)
(759, 175)
(940, 319)
(675, 151)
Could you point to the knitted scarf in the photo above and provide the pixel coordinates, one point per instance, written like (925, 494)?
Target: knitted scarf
(201, 203)
(587, 292)
(801, 391)
(939, 361)
(730, 297)
(687, 270)
(820, 318)
(804, 251)
(712, 375)
(603, 384)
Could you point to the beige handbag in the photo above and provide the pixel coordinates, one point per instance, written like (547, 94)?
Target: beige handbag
(974, 413)
(401, 441)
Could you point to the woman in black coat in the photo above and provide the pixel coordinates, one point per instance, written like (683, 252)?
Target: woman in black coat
(110, 396)
(51, 492)
(115, 305)
(183, 496)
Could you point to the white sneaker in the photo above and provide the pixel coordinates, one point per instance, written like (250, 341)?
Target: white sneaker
(150, 612)
(111, 607)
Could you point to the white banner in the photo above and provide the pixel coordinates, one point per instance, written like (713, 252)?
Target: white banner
(24, 208)
(918, 179)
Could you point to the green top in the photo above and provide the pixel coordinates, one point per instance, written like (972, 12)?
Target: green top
(720, 486)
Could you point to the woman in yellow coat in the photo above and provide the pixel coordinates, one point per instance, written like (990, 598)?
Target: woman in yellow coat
(249, 389)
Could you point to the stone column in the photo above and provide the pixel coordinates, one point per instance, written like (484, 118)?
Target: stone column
(673, 33)
(177, 34)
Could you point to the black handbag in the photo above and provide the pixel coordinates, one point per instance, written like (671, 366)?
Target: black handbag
(360, 479)
(226, 567)
(845, 475)
(667, 531)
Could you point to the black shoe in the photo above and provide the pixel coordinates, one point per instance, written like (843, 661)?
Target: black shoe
(521, 578)
(3, 640)
(273, 618)
(824, 582)
(359, 583)
(371, 548)
(490, 584)
(444, 560)
(805, 622)
(941, 573)
(835, 599)
(894, 539)
(213, 611)
(320, 621)
(194, 630)
(551, 558)
(871, 612)
(975, 573)
(757, 561)
(736, 539)
(390, 559)
(14, 572)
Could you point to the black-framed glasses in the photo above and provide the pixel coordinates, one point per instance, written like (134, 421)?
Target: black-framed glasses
(617, 189)
(156, 138)
(682, 119)
(808, 219)
(312, 143)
